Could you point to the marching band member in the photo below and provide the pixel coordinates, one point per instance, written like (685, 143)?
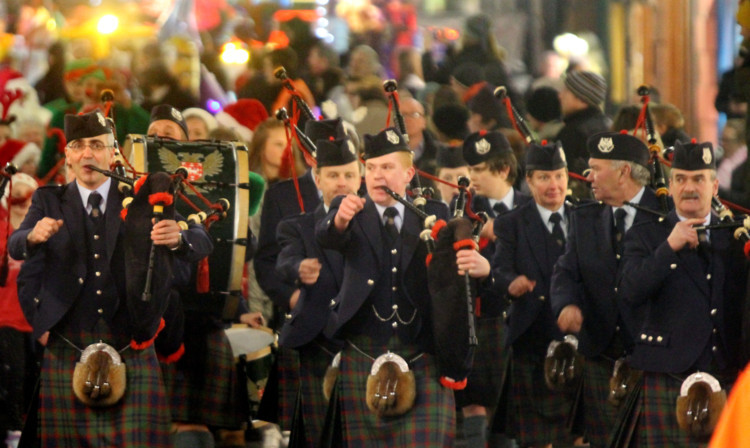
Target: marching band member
(72, 290)
(583, 282)
(692, 287)
(388, 385)
(318, 273)
(493, 168)
(530, 240)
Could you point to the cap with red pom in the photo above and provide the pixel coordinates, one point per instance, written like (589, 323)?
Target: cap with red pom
(243, 116)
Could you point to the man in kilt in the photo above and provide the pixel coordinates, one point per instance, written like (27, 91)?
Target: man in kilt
(530, 240)
(72, 289)
(493, 169)
(583, 283)
(692, 286)
(384, 304)
(319, 273)
(201, 380)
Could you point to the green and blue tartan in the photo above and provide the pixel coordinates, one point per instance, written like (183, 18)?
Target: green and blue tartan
(540, 415)
(313, 363)
(485, 381)
(211, 397)
(140, 419)
(600, 416)
(430, 423)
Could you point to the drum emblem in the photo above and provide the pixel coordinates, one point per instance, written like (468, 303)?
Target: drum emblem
(199, 165)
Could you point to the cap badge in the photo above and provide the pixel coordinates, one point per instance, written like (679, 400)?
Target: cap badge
(605, 145)
(101, 119)
(351, 147)
(706, 156)
(176, 114)
(562, 154)
(482, 146)
(392, 137)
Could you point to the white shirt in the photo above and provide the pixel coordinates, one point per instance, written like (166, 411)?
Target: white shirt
(630, 211)
(545, 213)
(507, 200)
(103, 191)
(398, 220)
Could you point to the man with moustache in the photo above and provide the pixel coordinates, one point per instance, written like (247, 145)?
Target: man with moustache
(383, 306)
(319, 274)
(493, 168)
(583, 283)
(692, 287)
(530, 240)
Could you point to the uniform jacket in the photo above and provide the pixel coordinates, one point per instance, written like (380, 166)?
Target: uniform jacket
(586, 275)
(280, 201)
(523, 249)
(52, 276)
(362, 247)
(685, 302)
(296, 237)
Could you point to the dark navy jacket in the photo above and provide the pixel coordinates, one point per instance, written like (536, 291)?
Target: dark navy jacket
(526, 247)
(279, 202)
(586, 275)
(52, 276)
(362, 247)
(296, 237)
(693, 312)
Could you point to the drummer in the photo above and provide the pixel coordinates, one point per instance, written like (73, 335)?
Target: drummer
(319, 273)
(202, 385)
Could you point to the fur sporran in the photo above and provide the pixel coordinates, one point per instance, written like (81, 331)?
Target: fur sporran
(99, 378)
(391, 388)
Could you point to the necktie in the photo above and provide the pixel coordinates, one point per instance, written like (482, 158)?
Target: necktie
(94, 200)
(620, 215)
(499, 208)
(557, 231)
(390, 223)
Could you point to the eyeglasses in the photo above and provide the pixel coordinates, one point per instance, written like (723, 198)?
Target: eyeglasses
(414, 114)
(95, 146)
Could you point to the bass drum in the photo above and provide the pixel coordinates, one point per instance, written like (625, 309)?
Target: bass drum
(217, 170)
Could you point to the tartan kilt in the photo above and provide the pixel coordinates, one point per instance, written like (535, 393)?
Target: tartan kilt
(486, 378)
(287, 366)
(540, 415)
(430, 423)
(657, 426)
(140, 419)
(600, 417)
(313, 363)
(209, 397)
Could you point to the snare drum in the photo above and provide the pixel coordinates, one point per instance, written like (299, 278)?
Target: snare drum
(217, 170)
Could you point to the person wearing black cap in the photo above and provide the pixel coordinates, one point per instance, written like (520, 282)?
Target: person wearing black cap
(383, 304)
(692, 285)
(167, 122)
(318, 273)
(450, 166)
(530, 239)
(493, 170)
(581, 101)
(487, 112)
(279, 202)
(72, 287)
(583, 283)
(543, 112)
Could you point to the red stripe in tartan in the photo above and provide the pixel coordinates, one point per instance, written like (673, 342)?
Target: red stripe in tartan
(657, 426)
(431, 423)
(288, 370)
(600, 417)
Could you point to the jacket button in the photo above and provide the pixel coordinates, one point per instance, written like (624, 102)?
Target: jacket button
(659, 339)
(673, 266)
(98, 292)
(394, 269)
(394, 325)
(100, 311)
(393, 288)
(96, 237)
(615, 288)
(395, 307)
(617, 328)
(714, 331)
(394, 251)
(650, 338)
(370, 282)
(541, 298)
(617, 256)
(36, 300)
(714, 311)
(96, 256)
(98, 274)
(333, 303)
(80, 280)
(287, 316)
(643, 336)
(708, 277)
(714, 349)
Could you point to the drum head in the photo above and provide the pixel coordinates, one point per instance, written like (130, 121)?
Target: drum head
(244, 339)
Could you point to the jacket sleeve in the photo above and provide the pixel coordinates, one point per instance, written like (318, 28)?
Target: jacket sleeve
(504, 262)
(292, 251)
(17, 245)
(268, 250)
(326, 233)
(645, 266)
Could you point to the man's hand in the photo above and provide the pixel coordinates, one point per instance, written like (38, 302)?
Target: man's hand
(44, 338)
(570, 319)
(350, 206)
(520, 286)
(684, 234)
(293, 299)
(255, 319)
(471, 261)
(309, 269)
(166, 233)
(43, 230)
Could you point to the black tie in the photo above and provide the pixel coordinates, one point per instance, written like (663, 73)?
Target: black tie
(390, 223)
(557, 231)
(94, 200)
(499, 208)
(620, 215)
